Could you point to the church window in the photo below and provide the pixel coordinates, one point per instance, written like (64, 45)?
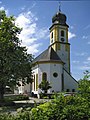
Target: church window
(36, 81)
(55, 74)
(44, 76)
(62, 33)
(73, 90)
(67, 90)
(51, 35)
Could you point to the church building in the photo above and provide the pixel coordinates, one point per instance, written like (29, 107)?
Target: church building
(53, 64)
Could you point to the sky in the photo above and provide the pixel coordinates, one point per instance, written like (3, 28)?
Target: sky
(35, 17)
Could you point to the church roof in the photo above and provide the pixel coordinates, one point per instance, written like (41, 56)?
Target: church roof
(48, 55)
(59, 17)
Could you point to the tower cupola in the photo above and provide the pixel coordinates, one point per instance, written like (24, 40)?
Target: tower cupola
(60, 18)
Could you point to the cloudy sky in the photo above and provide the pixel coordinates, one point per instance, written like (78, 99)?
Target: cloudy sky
(35, 18)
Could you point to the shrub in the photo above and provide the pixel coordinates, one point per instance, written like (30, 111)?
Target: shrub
(63, 108)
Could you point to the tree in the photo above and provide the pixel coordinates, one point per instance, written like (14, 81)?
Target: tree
(44, 85)
(84, 85)
(15, 63)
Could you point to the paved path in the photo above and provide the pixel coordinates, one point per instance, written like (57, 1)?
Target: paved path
(33, 100)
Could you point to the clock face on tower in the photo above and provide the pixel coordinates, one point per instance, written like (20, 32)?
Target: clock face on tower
(62, 39)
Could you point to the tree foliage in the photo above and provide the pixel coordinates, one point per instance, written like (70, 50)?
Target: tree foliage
(62, 108)
(44, 85)
(84, 85)
(15, 63)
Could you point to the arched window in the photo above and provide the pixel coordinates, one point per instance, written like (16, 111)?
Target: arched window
(34, 82)
(44, 76)
(62, 33)
(51, 35)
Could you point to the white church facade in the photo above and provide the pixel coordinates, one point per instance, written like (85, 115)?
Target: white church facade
(54, 63)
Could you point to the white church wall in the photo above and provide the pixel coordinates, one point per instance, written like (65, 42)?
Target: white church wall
(40, 69)
(44, 68)
(64, 56)
(55, 81)
(69, 82)
(50, 68)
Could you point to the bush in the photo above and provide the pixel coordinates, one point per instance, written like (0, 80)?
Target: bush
(6, 117)
(61, 108)
(23, 114)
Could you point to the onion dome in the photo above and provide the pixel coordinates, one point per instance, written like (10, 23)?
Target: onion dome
(59, 18)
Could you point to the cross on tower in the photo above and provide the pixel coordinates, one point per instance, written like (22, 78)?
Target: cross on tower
(59, 6)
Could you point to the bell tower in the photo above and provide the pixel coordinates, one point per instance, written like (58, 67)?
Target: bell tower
(59, 38)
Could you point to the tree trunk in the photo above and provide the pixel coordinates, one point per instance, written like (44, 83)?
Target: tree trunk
(1, 92)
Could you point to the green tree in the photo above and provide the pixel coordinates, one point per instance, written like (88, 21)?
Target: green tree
(84, 85)
(44, 85)
(15, 63)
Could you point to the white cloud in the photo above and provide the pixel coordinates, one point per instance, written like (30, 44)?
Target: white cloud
(43, 33)
(30, 7)
(3, 8)
(88, 42)
(88, 58)
(75, 61)
(84, 67)
(71, 27)
(34, 4)
(81, 54)
(23, 8)
(85, 37)
(71, 35)
(87, 62)
(30, 34)
(87, 27)
(33, 48)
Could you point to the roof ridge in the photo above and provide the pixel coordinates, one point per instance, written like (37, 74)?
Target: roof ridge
(47, 55)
